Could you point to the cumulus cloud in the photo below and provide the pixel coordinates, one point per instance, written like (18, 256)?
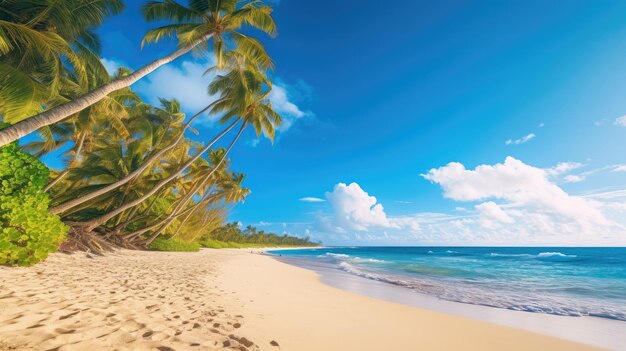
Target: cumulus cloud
(356, 209)
(521, 186)
(508, 203)
(621, 121)
(187, 83)
(521, 140)
(491, 214)
(311, 199)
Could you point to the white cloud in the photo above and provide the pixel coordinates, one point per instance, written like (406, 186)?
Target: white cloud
(572, 178)
(541, 125)
(621, 121)
(619, 168)
(356, 209)
(111, 65)
(508, 203)
(283, 103)
(522, 186)
(521, 140)
(311, 199)
(186, 83)
(491, 215)
(562, 168)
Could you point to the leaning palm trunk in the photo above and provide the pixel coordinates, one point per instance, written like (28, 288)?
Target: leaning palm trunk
(174, 213)
(59, 113)
(90, 225)
(186, 218)
(186, 200)
(77, 152)
(178, 209)
(165, 221)
(188, 212)
(73, 203)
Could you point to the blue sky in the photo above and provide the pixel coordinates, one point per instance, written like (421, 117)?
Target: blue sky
(381, 99)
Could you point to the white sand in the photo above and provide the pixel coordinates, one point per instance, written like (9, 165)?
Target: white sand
(204, 301)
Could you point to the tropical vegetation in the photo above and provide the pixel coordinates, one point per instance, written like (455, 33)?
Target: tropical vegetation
(28, 232)
(134, 175)
(232, 235)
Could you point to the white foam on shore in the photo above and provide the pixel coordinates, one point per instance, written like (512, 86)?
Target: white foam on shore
(600, 332)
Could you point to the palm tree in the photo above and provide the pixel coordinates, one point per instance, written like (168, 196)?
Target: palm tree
(41, 43)
(217, 177)
(194, 26)
(65, 206)
(84, 126)
(244, 95)
(231, 191)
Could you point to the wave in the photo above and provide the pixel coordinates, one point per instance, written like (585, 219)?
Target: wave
(511, 300)
(355, 259)
(446, 252)
(552, 254)
(493, 254)
(335, 255)
(542, 256)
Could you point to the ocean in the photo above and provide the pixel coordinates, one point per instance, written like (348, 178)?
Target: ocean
(560, 281)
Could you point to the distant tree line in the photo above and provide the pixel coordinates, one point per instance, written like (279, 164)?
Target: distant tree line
(232, 232)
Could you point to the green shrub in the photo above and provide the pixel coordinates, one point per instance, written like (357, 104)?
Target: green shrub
(28, 232)
(164, 244)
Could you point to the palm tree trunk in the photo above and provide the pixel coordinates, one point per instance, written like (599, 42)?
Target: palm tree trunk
(182, 223)
(58, 113)
(172, 216)
(90, 225)
(65, 172)
(184, 201)
(73, 203)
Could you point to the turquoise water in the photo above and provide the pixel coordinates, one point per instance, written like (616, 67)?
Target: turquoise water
(562, 281)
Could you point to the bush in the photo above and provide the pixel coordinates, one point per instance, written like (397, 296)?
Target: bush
(163, 244)
(215, 244)
(28, 232)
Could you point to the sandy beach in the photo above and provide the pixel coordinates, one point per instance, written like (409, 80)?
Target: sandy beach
(215, 299)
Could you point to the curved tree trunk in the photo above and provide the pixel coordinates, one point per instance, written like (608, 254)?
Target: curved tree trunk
(56, 114)
(90, 225)
(174, 212)
(183, 203)
(172, 216)
(73, 203)
(182, 223)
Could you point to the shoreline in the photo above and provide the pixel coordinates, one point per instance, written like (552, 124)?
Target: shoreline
(594, 331)
(228, 298)
(298, 302)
